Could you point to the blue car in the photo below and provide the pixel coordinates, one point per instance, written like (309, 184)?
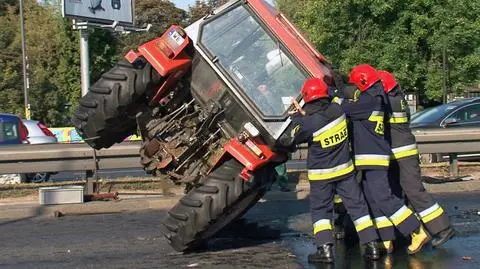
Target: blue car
(12, 130)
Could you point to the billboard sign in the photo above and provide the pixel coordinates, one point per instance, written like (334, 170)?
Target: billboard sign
(100, 11)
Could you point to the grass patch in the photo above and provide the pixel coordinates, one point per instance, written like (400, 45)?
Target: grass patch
(15, 193)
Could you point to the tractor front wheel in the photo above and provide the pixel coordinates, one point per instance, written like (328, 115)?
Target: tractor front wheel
(106, 114)
(222, 197)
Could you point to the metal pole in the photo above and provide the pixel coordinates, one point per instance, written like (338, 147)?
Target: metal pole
(24, 62)
(84, 61)
(444, 62)
(453, 158)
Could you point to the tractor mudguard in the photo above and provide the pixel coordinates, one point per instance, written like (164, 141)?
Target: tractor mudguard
(167, 55)
(250, 160)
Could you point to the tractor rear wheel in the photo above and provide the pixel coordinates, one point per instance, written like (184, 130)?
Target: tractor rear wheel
(106, 114)
(222, 197)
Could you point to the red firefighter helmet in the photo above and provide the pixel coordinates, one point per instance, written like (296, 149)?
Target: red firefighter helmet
(364, 76)
(314, 88)
(388, 80)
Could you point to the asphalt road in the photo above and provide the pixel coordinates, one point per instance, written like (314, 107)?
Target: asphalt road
(274, 234)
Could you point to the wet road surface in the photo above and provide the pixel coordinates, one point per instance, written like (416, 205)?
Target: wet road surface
(274, 234)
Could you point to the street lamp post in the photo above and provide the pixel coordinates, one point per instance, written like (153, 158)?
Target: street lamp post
(25, 64)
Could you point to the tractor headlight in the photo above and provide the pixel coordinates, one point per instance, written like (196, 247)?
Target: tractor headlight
(251, 129)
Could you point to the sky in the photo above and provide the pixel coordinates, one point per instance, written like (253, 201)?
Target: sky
(183, 4)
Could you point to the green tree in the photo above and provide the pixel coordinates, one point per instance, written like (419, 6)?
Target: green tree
(405, 37)
(11, 79)
(202, 8)
(161, 14)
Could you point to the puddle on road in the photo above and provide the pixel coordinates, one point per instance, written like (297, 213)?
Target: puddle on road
(458, 253)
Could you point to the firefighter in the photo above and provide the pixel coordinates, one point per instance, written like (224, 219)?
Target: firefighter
(372, 156)
(322, 124)
(405, 168)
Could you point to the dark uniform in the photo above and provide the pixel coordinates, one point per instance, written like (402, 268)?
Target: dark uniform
(405, 168)
(330, 170)
(371, 158)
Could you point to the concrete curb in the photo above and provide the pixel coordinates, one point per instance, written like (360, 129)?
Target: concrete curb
(300, 191)
(33, 210)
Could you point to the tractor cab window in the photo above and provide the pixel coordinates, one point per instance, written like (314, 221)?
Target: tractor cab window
(256, 62)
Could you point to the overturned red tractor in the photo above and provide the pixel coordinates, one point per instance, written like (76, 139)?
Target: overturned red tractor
(211, 103)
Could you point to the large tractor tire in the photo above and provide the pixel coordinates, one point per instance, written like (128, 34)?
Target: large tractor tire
(106, 114)
(222, 197)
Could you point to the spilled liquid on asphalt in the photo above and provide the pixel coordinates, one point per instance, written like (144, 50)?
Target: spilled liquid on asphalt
(459, 253)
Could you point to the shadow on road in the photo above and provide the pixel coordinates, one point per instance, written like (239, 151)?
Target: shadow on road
(38, 211)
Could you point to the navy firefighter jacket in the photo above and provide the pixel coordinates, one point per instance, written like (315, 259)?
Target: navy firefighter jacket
(325, 131)
(371, 150)
(397, 122)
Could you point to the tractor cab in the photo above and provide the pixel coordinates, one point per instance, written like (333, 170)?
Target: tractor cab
(260, 57)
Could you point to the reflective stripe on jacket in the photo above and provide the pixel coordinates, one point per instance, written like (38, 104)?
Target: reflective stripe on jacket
(398, 132)
(326, 133)
(370, 148)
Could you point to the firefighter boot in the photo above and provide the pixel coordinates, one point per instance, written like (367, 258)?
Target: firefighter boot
(324, 254)
(419, 238)
(372, 251)
(443, 236)
(386, 247)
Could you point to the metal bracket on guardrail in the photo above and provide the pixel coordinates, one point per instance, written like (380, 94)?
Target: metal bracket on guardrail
(453, 160)
(92, 176)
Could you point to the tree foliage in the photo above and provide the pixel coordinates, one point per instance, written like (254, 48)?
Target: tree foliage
(202, 8)
(407, 37)
(161, 14)
(54, 57)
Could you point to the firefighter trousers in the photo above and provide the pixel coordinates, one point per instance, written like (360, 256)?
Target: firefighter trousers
(321, 206)
(404, 174)
(387, 209)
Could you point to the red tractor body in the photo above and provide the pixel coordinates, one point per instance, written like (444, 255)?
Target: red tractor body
(211, 102)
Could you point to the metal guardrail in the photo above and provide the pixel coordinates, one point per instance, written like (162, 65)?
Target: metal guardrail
(80, 157)
(67, 157)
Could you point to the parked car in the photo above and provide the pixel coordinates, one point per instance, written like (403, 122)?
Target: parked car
(461, 113)
(12, 130)
(38, 133)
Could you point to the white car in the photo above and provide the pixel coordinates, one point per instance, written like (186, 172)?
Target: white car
(38, 133)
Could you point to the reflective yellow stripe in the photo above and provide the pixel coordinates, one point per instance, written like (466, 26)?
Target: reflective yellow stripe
(405, 154)
(363, 223)
(402, 214)
(404, 151)
(333, 133)
(322, 225)
(399, 120)
(330, 125)
(337, 199)
(372, 162)
(377, 117)
(437, 213)
(372, 159)
(431, 213)
(324, 174)
(399, 117)
(382, 222)
(337, 100)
